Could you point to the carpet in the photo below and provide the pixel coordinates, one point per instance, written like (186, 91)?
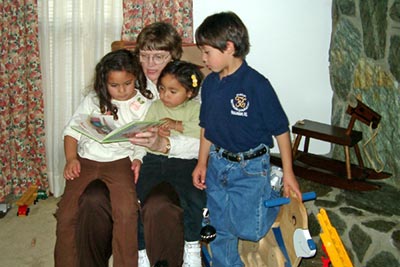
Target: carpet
(29, 240)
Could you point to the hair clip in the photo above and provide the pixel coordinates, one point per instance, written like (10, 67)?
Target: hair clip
(194, 80)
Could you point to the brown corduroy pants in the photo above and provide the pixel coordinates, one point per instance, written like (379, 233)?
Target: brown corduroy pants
(118, 178)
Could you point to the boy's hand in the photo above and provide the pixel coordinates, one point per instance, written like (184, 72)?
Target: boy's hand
(72, 169)
(289, 179)
(199, 177)
(135, 167)
(290, 184)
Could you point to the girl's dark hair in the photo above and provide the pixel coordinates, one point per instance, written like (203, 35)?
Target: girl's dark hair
(160, 36)
(216, 30)
(119, 60)
(187, 74)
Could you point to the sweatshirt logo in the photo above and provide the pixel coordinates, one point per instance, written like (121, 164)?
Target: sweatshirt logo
(239, 105)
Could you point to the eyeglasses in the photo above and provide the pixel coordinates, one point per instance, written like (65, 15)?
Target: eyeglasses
(158, 59)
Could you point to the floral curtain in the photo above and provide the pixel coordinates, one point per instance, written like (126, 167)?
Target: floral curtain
(22, 134)
(138, 13)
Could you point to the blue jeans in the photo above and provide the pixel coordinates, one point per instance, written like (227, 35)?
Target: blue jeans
(236, 192)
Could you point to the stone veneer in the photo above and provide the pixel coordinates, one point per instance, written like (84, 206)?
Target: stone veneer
(365, 63)
(368, 223)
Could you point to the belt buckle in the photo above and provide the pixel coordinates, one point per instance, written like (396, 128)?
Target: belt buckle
(238, 158)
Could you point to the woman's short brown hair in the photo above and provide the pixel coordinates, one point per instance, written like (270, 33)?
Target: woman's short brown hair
(160, 36)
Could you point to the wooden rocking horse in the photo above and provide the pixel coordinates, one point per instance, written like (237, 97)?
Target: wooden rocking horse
(285, 244)
(327, 170)
(288, 240)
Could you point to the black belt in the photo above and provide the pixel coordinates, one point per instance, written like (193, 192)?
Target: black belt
(242, 156)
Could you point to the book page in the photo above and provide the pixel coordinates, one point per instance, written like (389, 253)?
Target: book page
(102, 128)
(130, 130)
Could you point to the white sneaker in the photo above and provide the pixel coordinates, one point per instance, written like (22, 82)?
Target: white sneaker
(143, 259)
(191, 254)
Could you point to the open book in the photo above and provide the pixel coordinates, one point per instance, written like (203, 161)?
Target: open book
(102, 128)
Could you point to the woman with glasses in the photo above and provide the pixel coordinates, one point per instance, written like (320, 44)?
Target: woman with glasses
(158, 44)
(161, 239)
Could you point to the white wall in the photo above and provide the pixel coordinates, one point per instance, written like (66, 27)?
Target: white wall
(289, 44)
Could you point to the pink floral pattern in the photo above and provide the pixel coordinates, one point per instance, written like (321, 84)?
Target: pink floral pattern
(138, 13)
(22, 135)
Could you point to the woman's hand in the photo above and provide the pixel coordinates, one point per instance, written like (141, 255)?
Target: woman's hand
(150, 139)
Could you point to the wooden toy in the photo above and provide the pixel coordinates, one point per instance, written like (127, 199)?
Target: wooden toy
(333, 172)
(288, 240)
(27, 199)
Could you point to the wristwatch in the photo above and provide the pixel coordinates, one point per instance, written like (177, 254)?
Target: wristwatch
(167, 146)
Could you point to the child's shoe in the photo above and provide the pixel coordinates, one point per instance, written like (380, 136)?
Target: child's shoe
(143, 259)
(191, 254)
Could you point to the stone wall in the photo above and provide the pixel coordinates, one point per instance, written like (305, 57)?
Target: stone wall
(368, 223)
(365, 63)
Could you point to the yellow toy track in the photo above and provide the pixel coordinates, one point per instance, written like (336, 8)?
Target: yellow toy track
(332, 242)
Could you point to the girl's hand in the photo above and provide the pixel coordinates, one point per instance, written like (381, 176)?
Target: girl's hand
(164, 132)
(135, 167)
(170, 124)
(72, 169)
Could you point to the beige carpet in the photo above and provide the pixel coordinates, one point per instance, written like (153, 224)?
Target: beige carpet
(29, 240)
